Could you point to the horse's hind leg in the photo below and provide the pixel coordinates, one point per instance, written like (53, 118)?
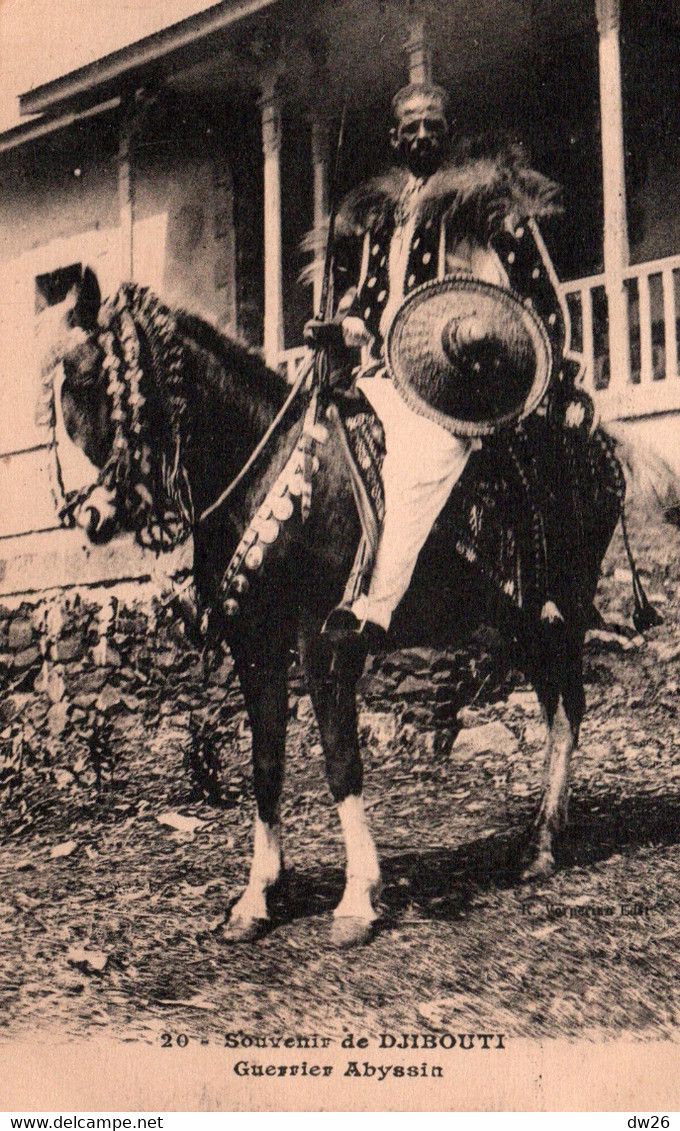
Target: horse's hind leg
(560, 692)
(264, 682)
(332, 680)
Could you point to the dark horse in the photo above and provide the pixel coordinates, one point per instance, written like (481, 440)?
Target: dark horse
(168, 411)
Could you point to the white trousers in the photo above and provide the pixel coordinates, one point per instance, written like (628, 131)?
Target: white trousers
(422, 463)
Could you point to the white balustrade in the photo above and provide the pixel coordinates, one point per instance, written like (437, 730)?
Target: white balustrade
(650, 383)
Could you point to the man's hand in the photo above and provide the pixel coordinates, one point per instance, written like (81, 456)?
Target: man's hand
(320, 335)
(351, 332)
(355, 332)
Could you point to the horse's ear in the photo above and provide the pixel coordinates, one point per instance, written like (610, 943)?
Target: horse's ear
(88, 299)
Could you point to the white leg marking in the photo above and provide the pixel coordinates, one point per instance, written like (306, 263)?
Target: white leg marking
(265, 869)
(558, 758)
(551, 613)
(553, 812)
(363, 869)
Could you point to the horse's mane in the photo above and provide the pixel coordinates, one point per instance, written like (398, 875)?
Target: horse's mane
(168, 372)
(257, 387)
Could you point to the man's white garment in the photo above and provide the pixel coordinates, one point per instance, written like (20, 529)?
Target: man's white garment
(422, 461)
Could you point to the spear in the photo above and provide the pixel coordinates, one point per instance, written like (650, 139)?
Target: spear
(320, 365)
(333, 202)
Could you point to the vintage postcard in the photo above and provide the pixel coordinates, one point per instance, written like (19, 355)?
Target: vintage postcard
(339, 555)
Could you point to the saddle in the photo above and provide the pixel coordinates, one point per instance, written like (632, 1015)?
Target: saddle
(532, 497)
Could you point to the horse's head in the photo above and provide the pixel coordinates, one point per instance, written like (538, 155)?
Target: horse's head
(71, 357)
(107, 401)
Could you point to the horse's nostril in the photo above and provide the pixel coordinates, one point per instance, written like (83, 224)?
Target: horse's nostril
(100, 527)
(96, 517)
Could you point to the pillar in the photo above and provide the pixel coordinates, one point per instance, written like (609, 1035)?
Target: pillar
(616, 250)
(418, 53)
(135, 109)
(320, 184)
(126, 194)
(273, 281)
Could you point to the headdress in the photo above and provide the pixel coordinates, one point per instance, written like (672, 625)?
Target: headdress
(434, 94)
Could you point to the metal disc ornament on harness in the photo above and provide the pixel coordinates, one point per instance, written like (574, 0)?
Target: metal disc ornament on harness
(470, 355)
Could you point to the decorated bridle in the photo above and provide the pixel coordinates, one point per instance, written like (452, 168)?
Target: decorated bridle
(150, 485)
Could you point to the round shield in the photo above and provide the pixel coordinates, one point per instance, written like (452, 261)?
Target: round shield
(468, 354)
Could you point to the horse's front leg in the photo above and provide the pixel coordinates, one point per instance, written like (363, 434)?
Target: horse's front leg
(264, 682)
(563, 701)
(332, 677)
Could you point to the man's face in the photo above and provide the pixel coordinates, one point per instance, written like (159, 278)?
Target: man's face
(421, 135)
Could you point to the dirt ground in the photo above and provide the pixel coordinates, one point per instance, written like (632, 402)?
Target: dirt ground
(116, 867)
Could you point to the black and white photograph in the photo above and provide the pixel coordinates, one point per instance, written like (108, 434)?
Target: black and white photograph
(339, 555)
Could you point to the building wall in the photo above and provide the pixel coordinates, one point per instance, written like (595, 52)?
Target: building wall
(183, 205)
(57, 204)
(658, 434)
(651, 79)
(657, 202)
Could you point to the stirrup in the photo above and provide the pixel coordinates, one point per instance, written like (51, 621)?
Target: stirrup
(343, 626)
(341, 621)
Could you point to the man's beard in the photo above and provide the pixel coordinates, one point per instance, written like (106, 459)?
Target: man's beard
(422, 158)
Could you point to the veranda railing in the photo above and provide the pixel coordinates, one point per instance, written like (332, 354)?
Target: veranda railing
(649, 383)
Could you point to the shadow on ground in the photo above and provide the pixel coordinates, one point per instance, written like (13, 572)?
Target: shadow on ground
(442, 884)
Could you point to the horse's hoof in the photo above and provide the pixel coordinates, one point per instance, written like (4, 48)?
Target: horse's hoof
(240, 930)
(349, 930)
(539, 868)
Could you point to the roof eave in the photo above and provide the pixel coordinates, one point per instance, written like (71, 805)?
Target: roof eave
(140, 62)
(35, 129)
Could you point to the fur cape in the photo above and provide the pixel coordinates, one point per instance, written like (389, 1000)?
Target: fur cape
(475, 195)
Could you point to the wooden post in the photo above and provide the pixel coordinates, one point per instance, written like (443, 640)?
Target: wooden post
(126, 195)
(418, 53)
(135, 108)
(320, 173)
(273, 279)
(616, 251)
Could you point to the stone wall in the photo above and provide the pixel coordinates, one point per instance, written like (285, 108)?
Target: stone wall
(90, 677)
(79, 672)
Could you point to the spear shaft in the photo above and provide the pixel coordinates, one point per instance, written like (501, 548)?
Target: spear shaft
(332, 211)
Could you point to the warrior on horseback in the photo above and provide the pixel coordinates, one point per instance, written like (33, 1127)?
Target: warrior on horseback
(189, 432)
(428, 217)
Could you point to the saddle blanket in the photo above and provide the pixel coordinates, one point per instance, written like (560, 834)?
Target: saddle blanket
(530, 499)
